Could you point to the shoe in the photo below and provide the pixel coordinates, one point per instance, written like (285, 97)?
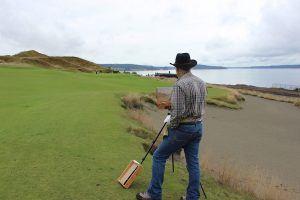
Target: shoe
(143, 196)
(183, 198)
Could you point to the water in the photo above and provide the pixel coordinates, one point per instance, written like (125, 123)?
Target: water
(256, 77)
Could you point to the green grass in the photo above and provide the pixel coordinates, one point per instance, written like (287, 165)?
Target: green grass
(63, 136)
(222, 97)
(216, 92)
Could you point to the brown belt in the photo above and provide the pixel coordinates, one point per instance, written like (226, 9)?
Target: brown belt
(194, 122)
(190, 120)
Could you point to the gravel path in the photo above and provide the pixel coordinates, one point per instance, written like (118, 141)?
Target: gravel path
(264, 133)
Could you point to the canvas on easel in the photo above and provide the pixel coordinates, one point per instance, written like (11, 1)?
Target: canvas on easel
(163, 95)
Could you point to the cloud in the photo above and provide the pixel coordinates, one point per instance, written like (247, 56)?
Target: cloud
(28, 29)
(230, 32)
(278, 32)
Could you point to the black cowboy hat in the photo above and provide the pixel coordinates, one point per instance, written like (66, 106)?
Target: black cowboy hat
(183, 61)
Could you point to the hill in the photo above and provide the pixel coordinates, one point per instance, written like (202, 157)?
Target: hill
(30, 54)
(69, 63)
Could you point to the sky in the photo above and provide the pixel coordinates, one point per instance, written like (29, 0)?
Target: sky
(152, 32)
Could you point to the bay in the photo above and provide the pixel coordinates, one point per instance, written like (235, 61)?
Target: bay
(287, 78)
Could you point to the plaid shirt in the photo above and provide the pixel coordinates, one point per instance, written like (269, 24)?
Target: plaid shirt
(188, 99)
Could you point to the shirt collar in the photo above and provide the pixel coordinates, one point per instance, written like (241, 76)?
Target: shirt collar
(185, 76)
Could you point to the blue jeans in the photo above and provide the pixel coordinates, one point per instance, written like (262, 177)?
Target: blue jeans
(184, 136)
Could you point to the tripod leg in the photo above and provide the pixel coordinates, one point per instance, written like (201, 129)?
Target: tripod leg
(153, 142)
(203, 191)
(173, 168)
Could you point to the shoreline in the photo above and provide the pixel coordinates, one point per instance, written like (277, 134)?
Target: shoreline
(275, 91)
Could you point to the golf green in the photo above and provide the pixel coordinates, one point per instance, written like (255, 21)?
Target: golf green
(63, 136)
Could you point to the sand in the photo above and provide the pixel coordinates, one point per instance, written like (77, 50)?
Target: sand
(264, 133)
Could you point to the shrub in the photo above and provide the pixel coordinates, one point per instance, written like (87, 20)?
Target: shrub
(148, 99)
(239, 97)
(132, 101)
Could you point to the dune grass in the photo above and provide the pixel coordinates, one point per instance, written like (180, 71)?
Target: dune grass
(63, 136)
(274, 97)
(297, 103)
(224, 97)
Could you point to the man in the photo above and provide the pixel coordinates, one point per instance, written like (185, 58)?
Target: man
(185, 130)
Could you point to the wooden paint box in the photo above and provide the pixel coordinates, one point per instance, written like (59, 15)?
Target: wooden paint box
(130, 173)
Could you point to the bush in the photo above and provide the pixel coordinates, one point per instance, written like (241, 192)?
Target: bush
(132, 101)
(148, 99)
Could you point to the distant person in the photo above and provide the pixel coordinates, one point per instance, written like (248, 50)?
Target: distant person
(184, 130)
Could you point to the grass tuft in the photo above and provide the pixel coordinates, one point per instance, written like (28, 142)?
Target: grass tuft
(224, 104)
(297, 103)
(224, 97)
(132, 101)
(136, 101)
(140, 132)
(294, 100)
(148, 99)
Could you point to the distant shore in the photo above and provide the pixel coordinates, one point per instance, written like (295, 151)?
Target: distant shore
(137, 67)
(257, 77)
(275, 91)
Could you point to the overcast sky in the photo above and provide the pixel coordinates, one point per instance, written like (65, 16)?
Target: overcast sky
(214, 32)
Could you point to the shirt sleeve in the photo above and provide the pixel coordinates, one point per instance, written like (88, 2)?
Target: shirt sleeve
(177, 106)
